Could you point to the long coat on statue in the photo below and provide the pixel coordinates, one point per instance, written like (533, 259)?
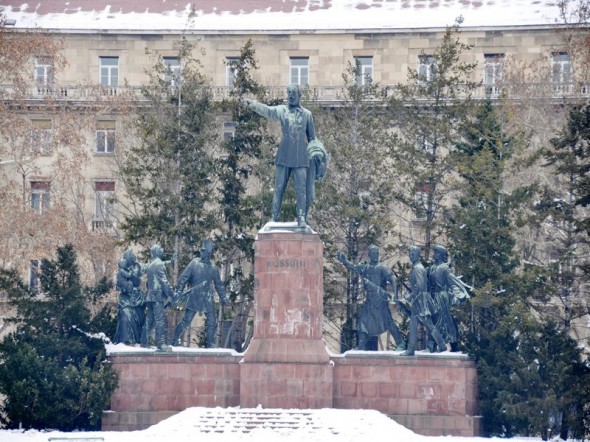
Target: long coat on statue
(200, 275)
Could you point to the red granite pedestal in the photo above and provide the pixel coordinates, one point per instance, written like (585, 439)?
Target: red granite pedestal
(286, 364)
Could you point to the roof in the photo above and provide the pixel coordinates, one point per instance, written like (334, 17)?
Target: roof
(275, 15)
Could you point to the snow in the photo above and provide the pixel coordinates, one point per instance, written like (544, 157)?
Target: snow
(323, 425)
(266, 16)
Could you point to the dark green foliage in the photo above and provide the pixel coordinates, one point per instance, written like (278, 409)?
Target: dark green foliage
(560, 213)
(353, 204)
(169, 172)
(52, 369)
(246, 164)
(432, 113)
(481, 226)
(530, 375)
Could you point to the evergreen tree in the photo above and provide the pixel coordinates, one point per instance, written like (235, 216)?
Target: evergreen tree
(245, 175)
(353, 203)
(432, 108)
(562, 214)
(169, 170)
(52, 370)
(525, 364)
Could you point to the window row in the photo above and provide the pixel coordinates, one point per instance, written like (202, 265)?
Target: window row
(299, 69)
(41, 140)
(104, 193)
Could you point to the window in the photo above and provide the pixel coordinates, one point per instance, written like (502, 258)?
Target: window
(109, 73)
(363, 70)
(171, 70)
(41, 136)
(103, 209)
(426, 68)
(105, 137)
(493, 67)
(229, 130)
(40, 196)
(561, 72)
(230, 72)
(43, 75)
(34, 273)
(299, 71)
(421, 201)
(425, 144)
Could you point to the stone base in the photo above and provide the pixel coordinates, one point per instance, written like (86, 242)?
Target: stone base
(433, 395)
(431, 425)
(272, 385)
(282, 351)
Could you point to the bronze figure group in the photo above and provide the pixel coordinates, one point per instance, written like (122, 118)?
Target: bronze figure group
(141, 315)
(430, 294)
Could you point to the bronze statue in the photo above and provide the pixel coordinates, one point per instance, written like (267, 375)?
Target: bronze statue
(292, 156)
(421, 304)
(200, 274)
(375, 316)
(158, 289)
(130, 306)
(446, 290)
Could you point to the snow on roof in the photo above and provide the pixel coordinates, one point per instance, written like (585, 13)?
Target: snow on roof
(274, 15)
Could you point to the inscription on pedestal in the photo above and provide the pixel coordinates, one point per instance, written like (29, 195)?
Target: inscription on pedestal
(293, 264)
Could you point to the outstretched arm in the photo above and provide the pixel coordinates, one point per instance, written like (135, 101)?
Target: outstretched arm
(270, 112)
(358, 269)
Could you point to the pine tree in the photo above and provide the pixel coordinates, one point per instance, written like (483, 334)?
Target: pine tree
(246, 174)
(353, 203)
(52, 370)
(561, 212)
(432, 109)
(525, 363)
(169, 170)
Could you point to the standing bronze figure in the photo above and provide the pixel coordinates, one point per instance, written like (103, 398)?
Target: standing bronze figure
(421, 304)
(292, 157)
(158, 290)
(375, 316)
(446, 290)
(130, 305)
(200, 274)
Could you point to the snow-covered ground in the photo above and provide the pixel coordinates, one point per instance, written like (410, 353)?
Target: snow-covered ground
(320, 425)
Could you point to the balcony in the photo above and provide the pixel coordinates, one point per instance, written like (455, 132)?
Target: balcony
(104, 225)
(326, 95)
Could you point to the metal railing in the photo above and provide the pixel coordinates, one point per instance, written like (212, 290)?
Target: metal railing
(321, 94)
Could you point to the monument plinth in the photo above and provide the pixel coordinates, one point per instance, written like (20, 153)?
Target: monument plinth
(286, 364)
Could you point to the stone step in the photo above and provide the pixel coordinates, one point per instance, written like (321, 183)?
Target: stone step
(246, 420)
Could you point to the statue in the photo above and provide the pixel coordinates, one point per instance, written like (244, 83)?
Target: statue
(130, 306)
(318, 165)
(200, 274)
(375, 316)
(446, 290)
(421, 304)
(158, 289)
(292, 156)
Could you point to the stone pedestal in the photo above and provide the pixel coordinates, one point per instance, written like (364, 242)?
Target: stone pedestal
(286, 364)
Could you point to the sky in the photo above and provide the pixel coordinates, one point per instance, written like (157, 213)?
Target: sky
(325, 425)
